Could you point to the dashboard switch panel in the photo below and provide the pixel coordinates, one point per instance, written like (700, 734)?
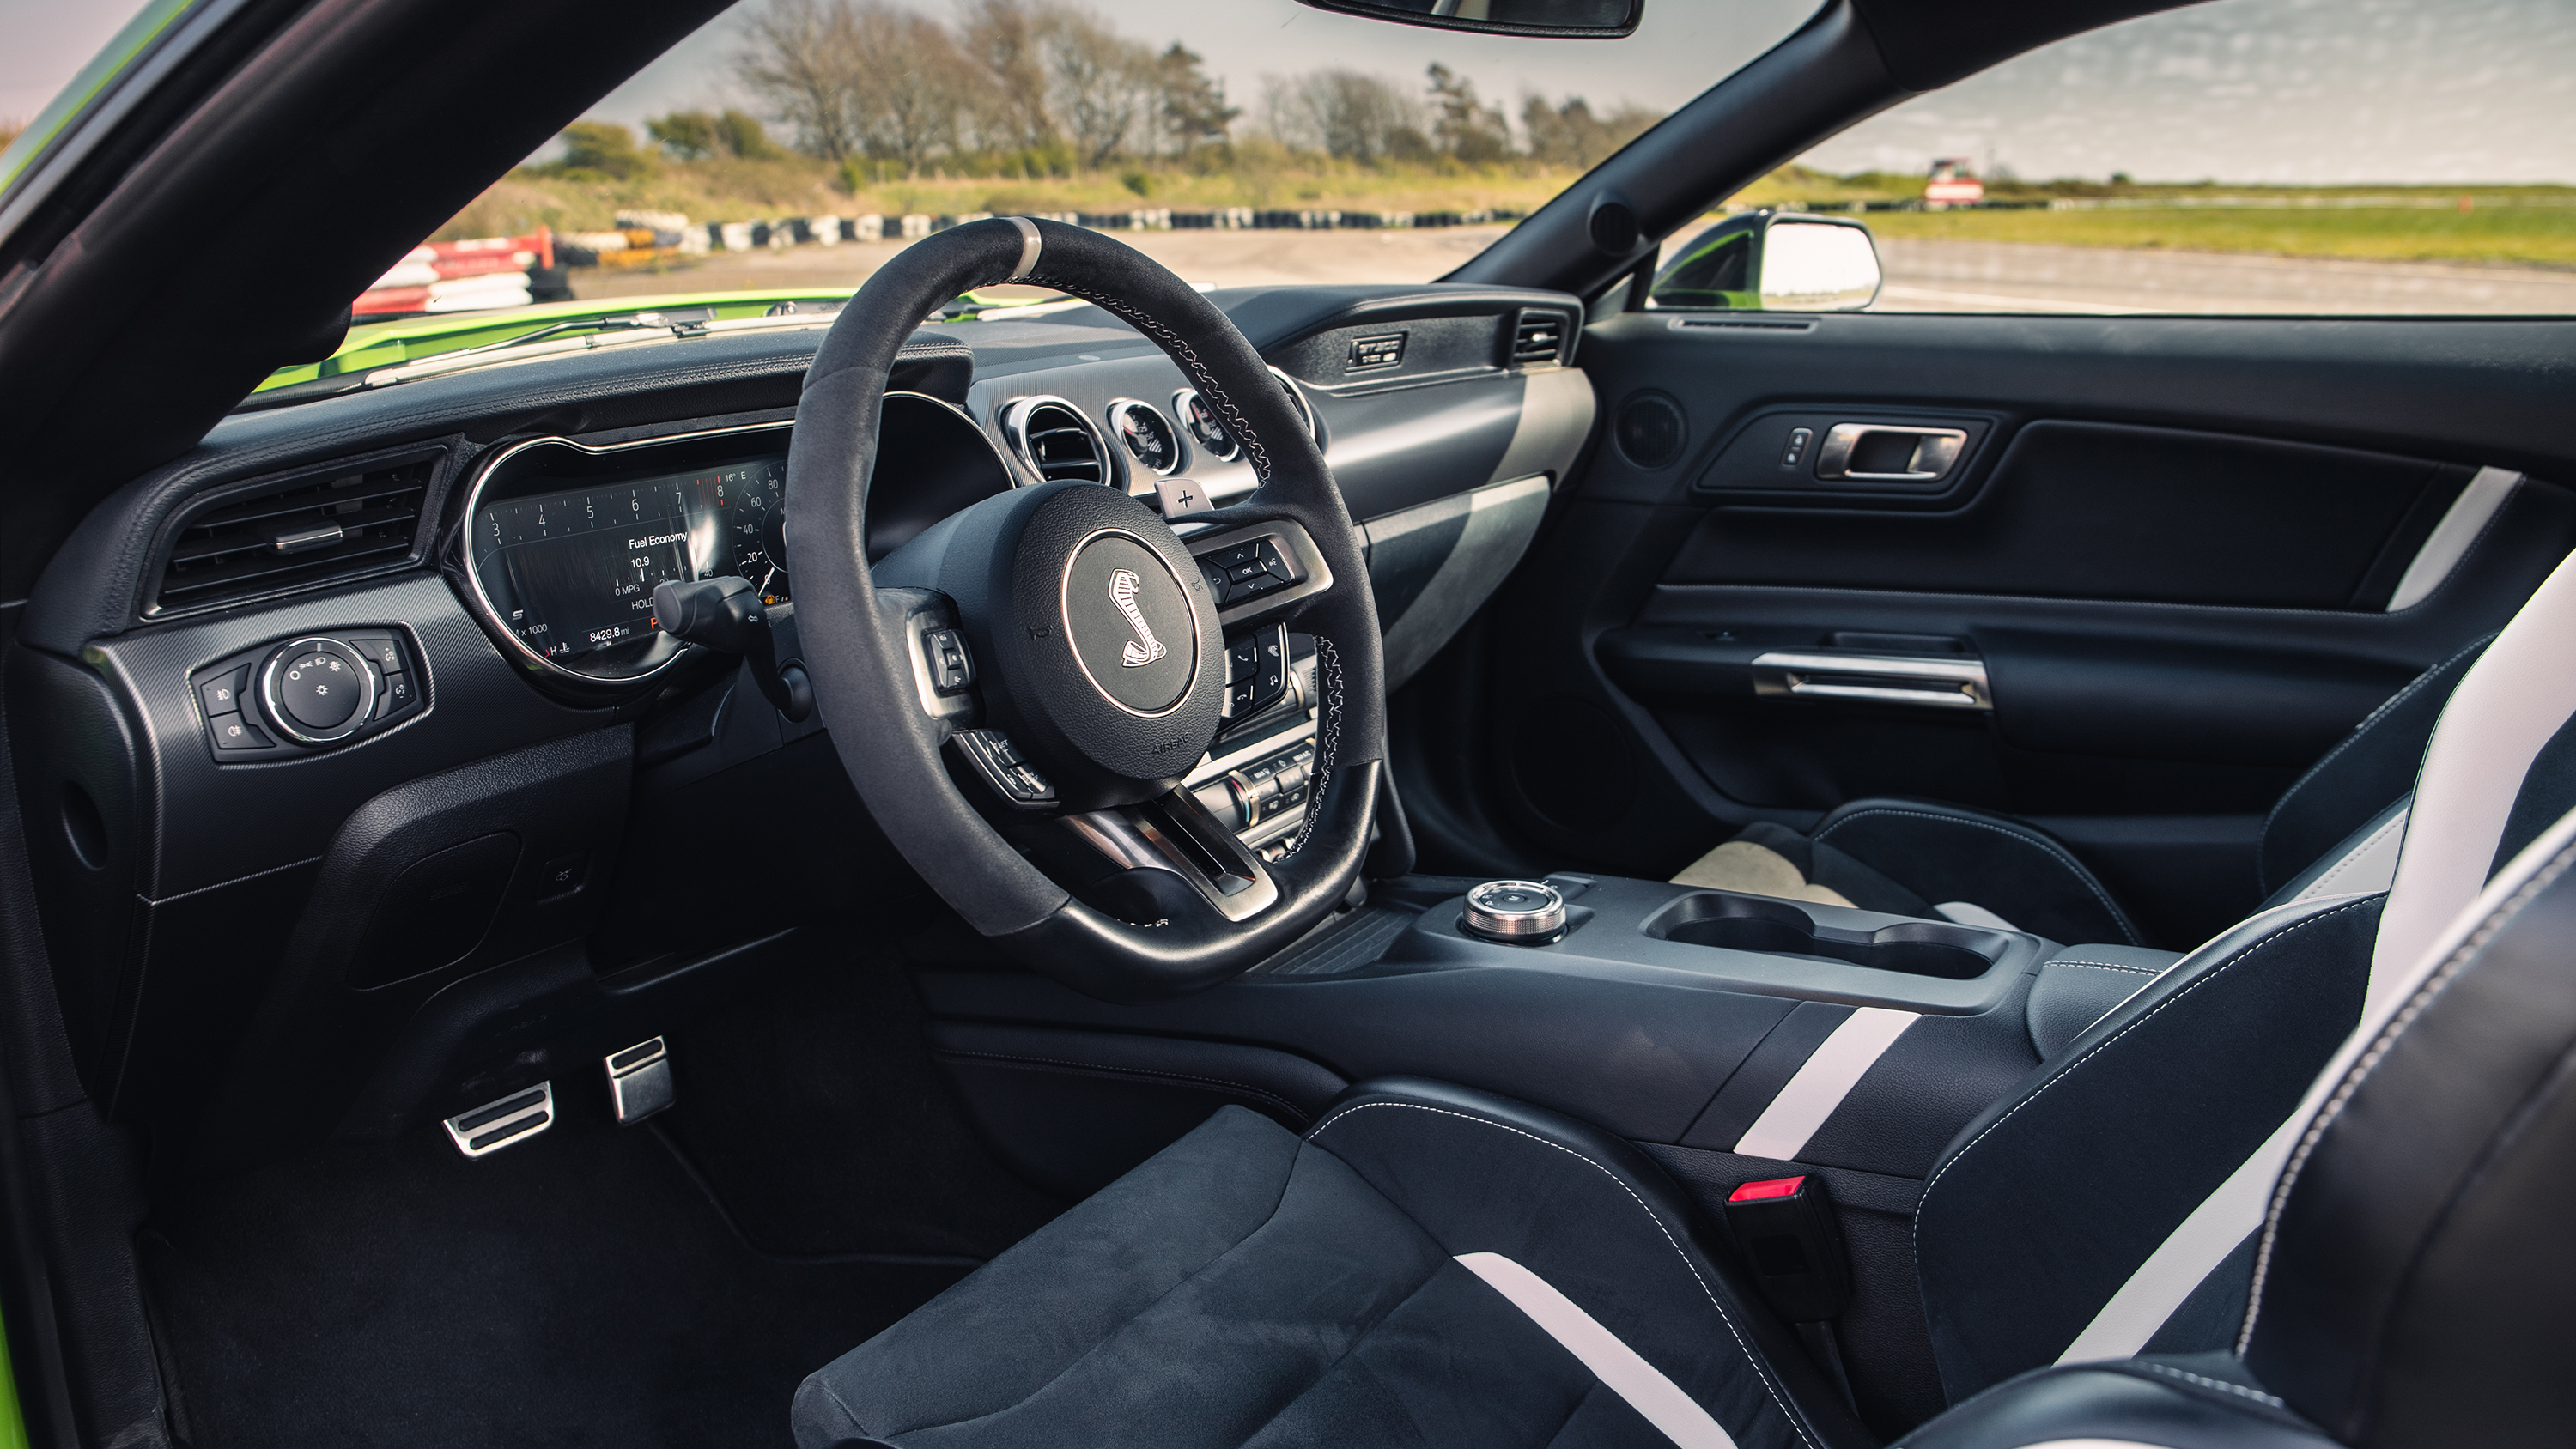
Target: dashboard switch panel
(308, 693)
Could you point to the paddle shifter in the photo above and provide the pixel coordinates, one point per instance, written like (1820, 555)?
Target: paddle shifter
(726, 615)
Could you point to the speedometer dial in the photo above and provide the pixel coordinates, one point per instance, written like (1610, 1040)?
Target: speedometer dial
(756, 495)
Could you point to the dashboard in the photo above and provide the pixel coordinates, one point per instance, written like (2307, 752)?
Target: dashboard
(354, 753)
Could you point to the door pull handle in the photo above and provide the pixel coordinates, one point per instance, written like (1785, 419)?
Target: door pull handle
(1881, 679)
(1888, 453)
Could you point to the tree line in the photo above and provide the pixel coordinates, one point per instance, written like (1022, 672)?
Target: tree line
(1048, 87)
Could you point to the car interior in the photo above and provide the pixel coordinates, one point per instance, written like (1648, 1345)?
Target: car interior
(1635, 870)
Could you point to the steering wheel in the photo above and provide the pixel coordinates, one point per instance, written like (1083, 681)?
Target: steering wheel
(1093, 675)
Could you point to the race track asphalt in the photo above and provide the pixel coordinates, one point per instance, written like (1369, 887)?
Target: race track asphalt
(1922, 276)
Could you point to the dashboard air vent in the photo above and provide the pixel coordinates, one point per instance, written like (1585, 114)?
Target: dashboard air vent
(1539, 337)
(307, 531)
(1057, 442)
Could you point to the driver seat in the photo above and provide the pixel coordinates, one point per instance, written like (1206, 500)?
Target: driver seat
(1430, 1265)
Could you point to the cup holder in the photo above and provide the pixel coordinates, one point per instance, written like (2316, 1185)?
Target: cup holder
(1752, 923)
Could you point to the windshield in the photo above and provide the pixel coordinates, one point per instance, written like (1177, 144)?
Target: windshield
(1256, 141)
(57, 57)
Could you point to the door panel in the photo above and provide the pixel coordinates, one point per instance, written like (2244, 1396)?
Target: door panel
(2102, 511)
(2172, 555)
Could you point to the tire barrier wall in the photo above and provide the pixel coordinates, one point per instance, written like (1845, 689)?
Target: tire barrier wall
(517, 271)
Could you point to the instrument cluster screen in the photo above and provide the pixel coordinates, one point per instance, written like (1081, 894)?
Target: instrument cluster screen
(572, 573)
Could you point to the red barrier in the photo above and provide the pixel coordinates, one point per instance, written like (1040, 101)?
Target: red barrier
(405, 287)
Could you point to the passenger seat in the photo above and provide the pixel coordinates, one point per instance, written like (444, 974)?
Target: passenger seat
(2336, 830)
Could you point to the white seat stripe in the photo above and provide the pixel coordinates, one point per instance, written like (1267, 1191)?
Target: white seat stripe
(2367, 868)
(2178, 1265)
(1820, 1086)
(1621, 1370)
(2449, 541)
(2507, 706)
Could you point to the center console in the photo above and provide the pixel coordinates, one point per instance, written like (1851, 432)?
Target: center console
(1736, 1038)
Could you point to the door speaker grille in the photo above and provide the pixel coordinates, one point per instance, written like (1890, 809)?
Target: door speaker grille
(1651, 429)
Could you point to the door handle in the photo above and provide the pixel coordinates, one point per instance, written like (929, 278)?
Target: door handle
(1883, 679)
(1889, 452)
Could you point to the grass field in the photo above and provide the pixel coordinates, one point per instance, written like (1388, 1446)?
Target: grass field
(2526, 235)
(2506, 226)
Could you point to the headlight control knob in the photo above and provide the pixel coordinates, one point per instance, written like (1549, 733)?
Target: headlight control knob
(1516, 912)
(317, 690)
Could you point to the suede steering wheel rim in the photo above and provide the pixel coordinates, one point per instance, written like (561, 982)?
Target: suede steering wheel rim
(996, 566)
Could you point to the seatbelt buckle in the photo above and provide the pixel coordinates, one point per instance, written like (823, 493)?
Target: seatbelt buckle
(1786, 1232)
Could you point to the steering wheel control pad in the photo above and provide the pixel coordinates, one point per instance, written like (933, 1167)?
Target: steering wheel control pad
(1102, 659)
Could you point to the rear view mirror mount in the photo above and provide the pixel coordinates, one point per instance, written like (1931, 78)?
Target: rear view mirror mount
(1551, 19)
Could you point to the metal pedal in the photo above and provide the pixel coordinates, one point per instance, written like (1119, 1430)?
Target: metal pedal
(639, 1079)
(512, 1119)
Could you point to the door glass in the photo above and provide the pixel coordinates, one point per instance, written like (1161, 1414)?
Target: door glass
(2249, 156)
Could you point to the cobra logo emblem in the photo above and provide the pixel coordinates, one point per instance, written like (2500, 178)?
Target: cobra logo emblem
(1144, 649)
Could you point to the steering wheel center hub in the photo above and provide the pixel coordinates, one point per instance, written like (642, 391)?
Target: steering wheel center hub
(1130, 623)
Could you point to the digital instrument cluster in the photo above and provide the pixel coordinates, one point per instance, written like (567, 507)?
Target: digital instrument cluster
(572, 573)
(563, 540)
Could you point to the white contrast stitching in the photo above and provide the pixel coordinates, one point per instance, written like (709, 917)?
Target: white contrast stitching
(1328, 679)
(1761, 1371)
(2008, 832)
(1181, 352)
(2369, 1061)
(2107, 966)
(2222, 1385)
(2099, 1047)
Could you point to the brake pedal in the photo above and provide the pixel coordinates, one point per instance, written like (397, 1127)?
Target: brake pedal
(512, 1119)
(639, 1079)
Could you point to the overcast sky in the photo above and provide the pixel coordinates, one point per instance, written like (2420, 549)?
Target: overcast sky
(2237, 90)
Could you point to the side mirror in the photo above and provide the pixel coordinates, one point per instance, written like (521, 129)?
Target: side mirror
(1556, 19)
(1774, 260)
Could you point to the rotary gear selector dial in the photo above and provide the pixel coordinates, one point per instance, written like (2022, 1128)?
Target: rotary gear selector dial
(1517, 912)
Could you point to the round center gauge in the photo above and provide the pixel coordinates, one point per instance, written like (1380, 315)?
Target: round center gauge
(1147, 436)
